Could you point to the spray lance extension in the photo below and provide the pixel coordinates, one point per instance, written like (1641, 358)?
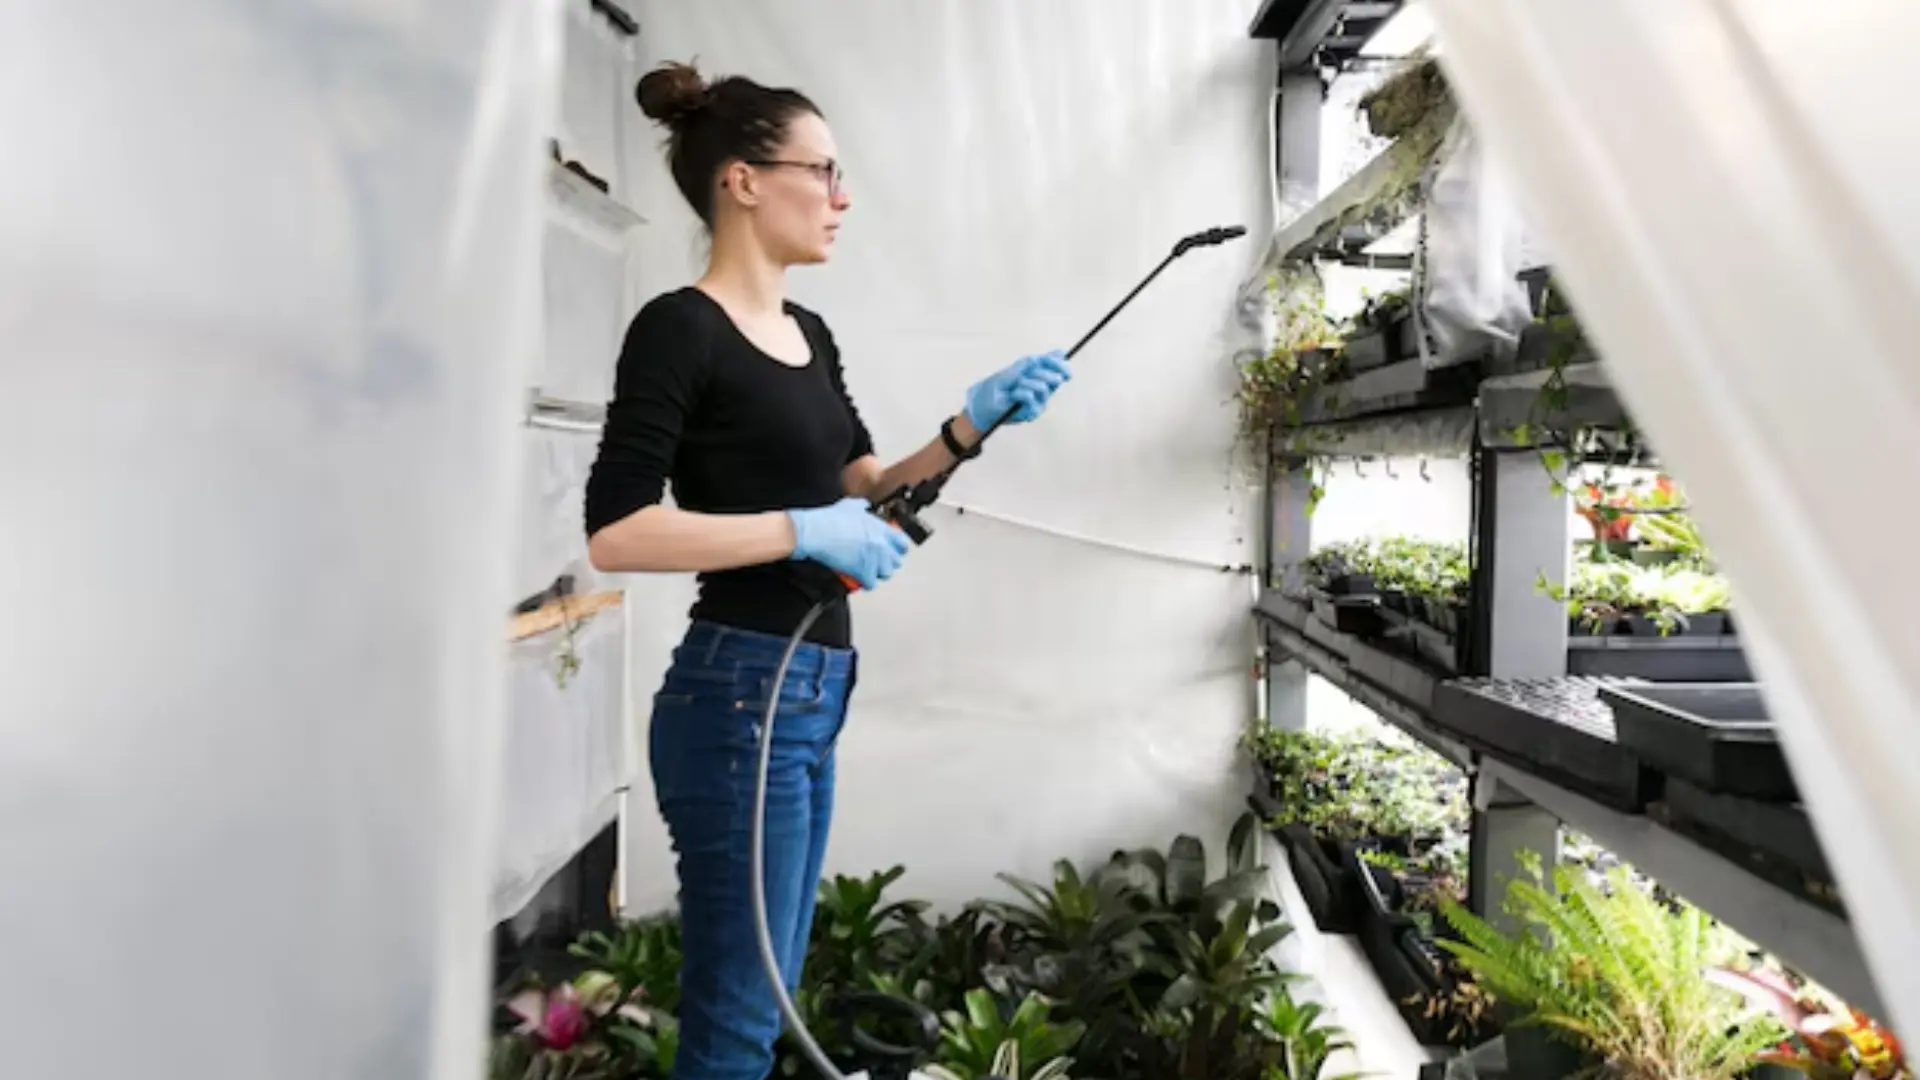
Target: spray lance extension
(901, 509)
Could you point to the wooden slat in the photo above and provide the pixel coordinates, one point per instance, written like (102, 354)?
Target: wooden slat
(555, 612)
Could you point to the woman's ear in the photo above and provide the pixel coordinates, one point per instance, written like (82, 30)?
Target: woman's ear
(740, 183)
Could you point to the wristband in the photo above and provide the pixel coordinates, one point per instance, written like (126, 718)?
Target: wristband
(953, 443)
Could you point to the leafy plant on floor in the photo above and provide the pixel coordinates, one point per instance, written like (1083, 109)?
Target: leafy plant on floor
(1154, 969)
(641, 955)
(1305, 1044)
(588, 1028)
(1027, 1044)
(858, 934)
(1616, 973)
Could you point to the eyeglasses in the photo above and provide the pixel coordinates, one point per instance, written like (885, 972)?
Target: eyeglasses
(825, 170)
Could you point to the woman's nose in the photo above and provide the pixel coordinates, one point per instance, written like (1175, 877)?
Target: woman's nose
(842, 200)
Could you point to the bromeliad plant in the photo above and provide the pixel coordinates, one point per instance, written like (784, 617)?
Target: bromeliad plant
(1829, 1040)
(589, 1028)
(1026, 1045)
(1618, 974)
(1141, 967)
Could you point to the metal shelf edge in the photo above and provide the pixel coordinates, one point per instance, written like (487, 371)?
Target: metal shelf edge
(1322, 662)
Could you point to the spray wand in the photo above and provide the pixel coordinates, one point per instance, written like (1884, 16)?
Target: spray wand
(900, 508)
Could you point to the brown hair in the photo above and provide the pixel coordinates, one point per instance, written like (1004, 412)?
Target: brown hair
(713, 123)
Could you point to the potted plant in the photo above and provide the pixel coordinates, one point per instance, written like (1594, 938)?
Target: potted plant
(1610, 977)
(1382, 332)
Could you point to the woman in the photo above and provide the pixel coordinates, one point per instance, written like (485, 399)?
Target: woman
(736, 396)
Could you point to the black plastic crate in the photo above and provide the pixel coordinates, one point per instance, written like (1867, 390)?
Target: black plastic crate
(1557, 728)
(1774, 840)
(1683, 658)
(1716, 736)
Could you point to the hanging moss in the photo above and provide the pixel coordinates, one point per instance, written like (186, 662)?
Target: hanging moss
(1400, 104)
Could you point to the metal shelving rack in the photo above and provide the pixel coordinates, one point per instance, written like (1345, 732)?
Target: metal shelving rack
(1520, 526)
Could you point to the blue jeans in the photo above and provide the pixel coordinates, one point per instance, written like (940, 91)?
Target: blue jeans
(704, 747)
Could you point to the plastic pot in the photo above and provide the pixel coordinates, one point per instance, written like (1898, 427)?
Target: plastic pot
(1536, 1052)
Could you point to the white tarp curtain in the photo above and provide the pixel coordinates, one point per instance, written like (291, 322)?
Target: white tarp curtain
(1475, 249)
(1014, 169)
(565, 751)
(1742, 236)
(268, 280)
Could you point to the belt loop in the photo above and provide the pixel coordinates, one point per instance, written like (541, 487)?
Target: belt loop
(716, 636)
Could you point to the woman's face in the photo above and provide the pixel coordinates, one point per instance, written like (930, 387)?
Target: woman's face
(799, 197)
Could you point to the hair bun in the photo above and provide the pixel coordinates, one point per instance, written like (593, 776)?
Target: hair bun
(672, 91)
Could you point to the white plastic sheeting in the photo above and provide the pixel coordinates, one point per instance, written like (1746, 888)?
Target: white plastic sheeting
(1476, 247)
(1742, 238)
(1014, 169)
(267, 285)
(565, 754)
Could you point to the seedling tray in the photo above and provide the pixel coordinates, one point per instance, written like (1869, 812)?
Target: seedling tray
(1715, 736)
(1557, 728)
(1774, 840)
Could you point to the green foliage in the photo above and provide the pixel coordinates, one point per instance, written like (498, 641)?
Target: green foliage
(858, 935)
(1305, 1044)
(1141, 967)
(1026, 1044)
(1617, 973)
(1664, 593)
(642, 955)
(1360, 786)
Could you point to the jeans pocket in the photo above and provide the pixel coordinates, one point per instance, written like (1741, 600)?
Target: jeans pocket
(800, 692)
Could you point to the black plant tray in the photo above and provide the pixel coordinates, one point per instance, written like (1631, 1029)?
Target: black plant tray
(1434, 647)
(1366, 351)
(1681, 657)
(1349, 585)
(1535, 351)
(1400, 338)
(1556, 728)
(1708, 624)
(1410, 968)
(1394, 387)
(1774, 840)
(1715, 736)
(1326, 880)
(1355, 615)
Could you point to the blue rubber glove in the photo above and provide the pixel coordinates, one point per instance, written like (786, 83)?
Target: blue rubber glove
(1027, 383)
(850, 540)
